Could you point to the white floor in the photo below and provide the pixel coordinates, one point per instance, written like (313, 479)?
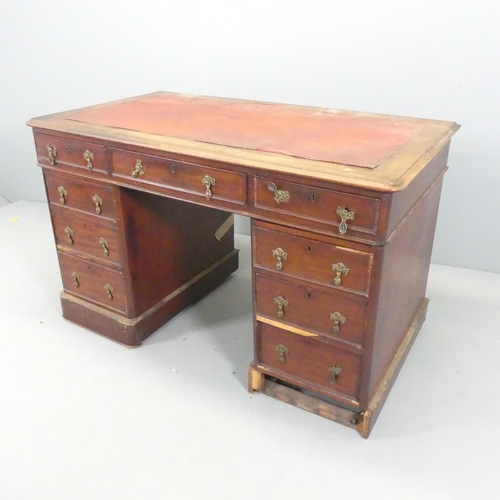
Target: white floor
(82, 417)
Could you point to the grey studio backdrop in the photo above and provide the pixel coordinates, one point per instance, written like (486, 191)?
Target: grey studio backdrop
(429, 59)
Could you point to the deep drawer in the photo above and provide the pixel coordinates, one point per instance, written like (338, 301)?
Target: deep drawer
(310, 309)
(308, 362)
(92, 282)
(86, 236)
(328, 264)
(59, 151)
(206, 182)
(81, 195)
(321, 205)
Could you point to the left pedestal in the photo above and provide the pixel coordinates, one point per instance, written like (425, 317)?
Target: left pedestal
(129, 260)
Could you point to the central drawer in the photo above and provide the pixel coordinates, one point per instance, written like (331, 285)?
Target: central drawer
(311, 309)
(211, 183)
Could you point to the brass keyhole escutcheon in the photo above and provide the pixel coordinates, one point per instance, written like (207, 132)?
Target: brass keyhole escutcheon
(139, 169)
(344, 215)
(109, 291)
(281, 302)
(52, 152)
(337, 319)
(334, 373)
(62, 195)
(76, 278)
(280, 255)
(280, 195)
(208, 182)
(98, 204)
(104, 244)
(88, 156)
(282, 351)
(69, 234)
(340, 270)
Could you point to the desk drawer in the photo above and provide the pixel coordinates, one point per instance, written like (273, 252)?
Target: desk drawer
(309, 362)
(318, 204)
(207, 182)
(81, 195)
(328, 264)
(84, 235)
(59, 151)
(92, 282)
(310, 309)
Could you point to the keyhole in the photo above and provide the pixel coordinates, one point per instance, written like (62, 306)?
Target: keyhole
(313, 198)
(308, 295)
(308, 343)
(308, 249)
(68, 147)
(172, 168)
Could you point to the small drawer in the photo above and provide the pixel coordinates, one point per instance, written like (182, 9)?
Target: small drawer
(203, 181)
(84, 235)
(309, 362)
(327, 264)
(81, 195)
(59, 151)
(92, 282)
(310, 309)
(360, 213)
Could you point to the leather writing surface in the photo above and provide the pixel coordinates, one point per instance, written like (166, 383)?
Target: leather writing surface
(347, 138)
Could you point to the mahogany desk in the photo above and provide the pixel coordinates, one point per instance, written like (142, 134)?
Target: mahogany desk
(343, 207)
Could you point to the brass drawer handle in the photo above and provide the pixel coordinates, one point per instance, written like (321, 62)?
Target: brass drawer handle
(334, 373)
(69, 234)
(52, 151)
(337, 318)
(282, 351)
(62, 195)
(344, 215)
(281, 302)
(104, 244)
(109, 291)
(280, 256)
(98, 204)
(339, 269)
(139, 169)
(208, 182)
(88, 156)
(280, 195)
(76, 278)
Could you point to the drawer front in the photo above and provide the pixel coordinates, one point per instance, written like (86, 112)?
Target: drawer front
(308, 360)
(310, 309)
(92, 282)
(331, 265)
(81, 195)
(203, 181)
(83, 235)
(361, 213)
(58, 151)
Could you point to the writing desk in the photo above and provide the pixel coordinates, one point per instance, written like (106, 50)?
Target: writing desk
(343, 207)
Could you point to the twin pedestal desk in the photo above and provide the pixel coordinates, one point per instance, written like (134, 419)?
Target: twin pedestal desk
(343, 207)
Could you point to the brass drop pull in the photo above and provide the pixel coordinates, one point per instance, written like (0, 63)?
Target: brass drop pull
(139, 169)
(280, 256)
(280, 195)
(88, 156)
(334, 373)
(104, 245)
(339, 269)
(98, 204)
(62, 195)
(281, 302)
(344, 215)
(208, 182)
(76, 278)
(52, 151)
(109, 291)
(69, 234)
(337, 319)
(282, 351)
